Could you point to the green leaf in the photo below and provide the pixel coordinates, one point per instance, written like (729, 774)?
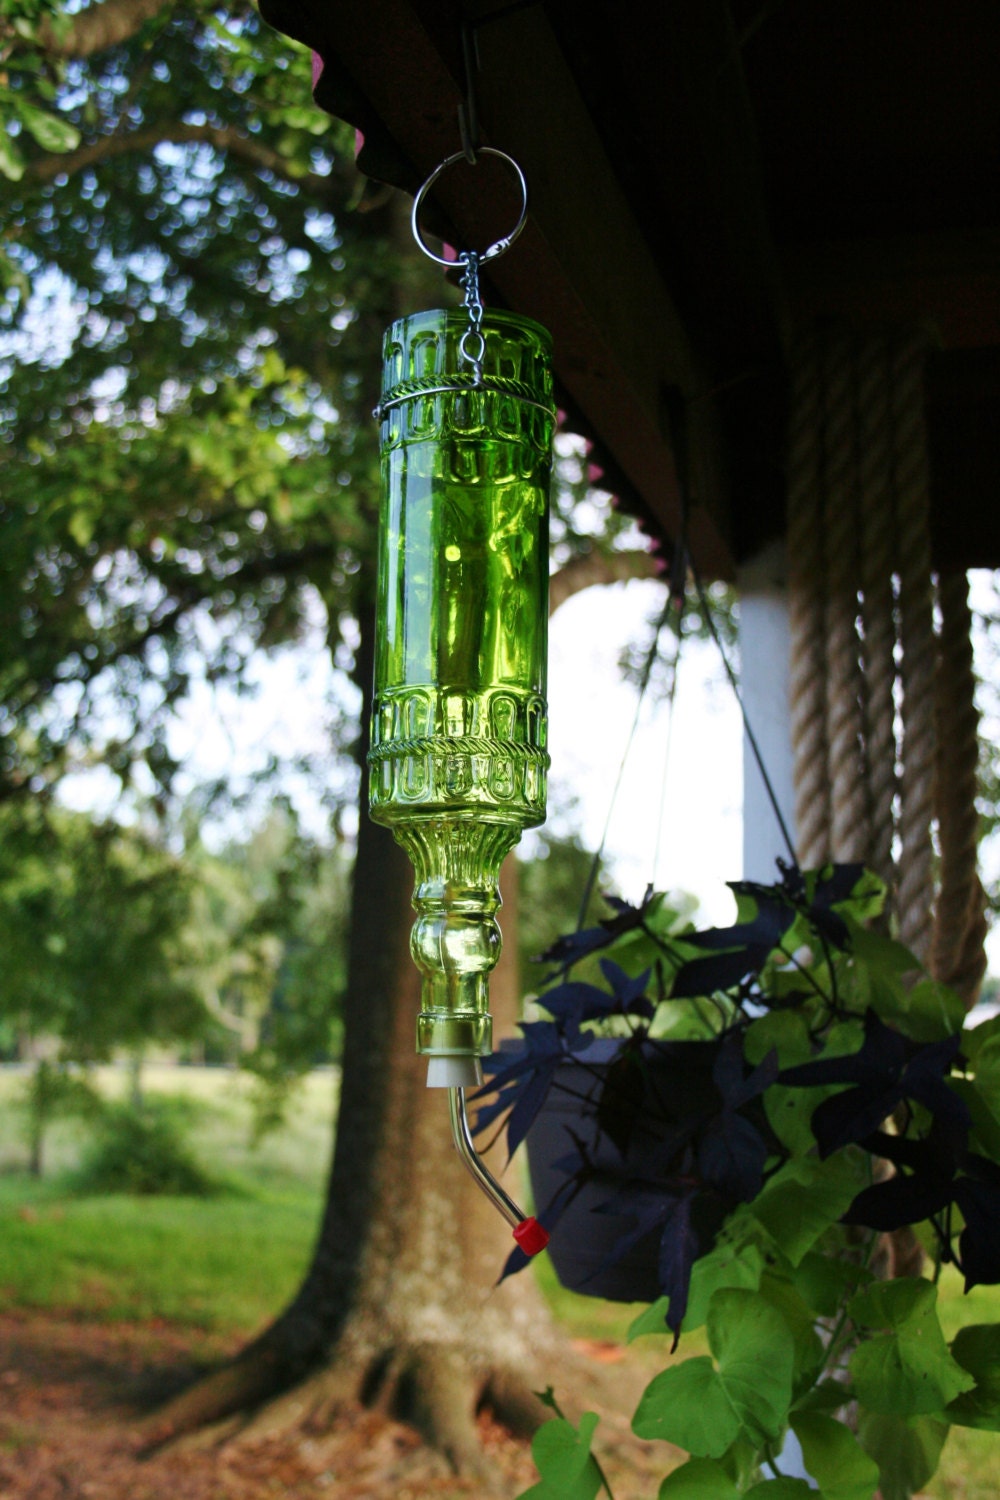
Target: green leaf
(877, 951)
(789, 1110)
(907, 1452)
(835, 1458)
(789, 1114)
(698, 1479)
(867, 899)
(563, 1459)
(934, 1011)
(976, 1037)
(736, 1261)
(985, 1134)
(11, 160)
(755, 1351)
(81, 525)
(987, 1074)
(704, 1409)
(809, 1353)
(51, 133)
(906, 1370)
(653, 1320)
(802, 1200)
(783, 1031)
(977, 1350)
(785, 1488)
(821, 1281)
(302, 118)
(927, 1011)
(688, 1405)
(826, 1399)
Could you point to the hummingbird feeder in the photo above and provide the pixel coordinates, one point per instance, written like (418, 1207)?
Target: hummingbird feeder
(458, 755)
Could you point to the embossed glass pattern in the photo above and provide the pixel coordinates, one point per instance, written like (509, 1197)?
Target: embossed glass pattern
(458, 757)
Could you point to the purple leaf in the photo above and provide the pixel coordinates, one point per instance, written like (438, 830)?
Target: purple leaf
(732, 1155)
(903, 1199)
(979, 1242)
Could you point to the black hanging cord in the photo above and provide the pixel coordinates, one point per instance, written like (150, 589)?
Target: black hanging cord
(706, 610)
(676, 410)
(673, 601)
(680, 566)
(468, 109)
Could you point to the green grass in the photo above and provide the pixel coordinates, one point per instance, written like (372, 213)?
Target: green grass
(220, 1264)
(969, 1464)
(225, 1263)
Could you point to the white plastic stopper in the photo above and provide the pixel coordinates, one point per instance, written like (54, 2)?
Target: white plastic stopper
(454, 1072)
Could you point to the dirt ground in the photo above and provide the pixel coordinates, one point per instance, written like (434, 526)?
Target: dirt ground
(71, 1395)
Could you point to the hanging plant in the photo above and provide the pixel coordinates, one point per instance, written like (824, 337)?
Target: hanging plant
(756, 1108)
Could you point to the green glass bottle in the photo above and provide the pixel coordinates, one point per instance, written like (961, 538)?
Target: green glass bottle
(458, 759)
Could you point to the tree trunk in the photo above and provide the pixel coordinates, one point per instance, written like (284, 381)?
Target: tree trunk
(39, 1112)
(399, 1303)
(135, 1090)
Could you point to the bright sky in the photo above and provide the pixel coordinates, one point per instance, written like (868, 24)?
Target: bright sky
(676, 820)
(591, 710)
(692, 774)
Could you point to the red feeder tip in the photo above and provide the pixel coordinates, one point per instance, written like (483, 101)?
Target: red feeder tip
(531, 1236)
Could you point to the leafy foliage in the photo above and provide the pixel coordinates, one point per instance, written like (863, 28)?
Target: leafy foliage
(187, 459)
(828, 1094)
(140, 1150)
(270, 954)
(562, 1454)
(93, 927)
(704, 1406)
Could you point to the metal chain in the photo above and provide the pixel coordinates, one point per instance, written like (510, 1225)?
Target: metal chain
(472, 346)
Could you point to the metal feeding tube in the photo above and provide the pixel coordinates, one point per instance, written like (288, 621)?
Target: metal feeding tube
(529, 1234)
(458, 755)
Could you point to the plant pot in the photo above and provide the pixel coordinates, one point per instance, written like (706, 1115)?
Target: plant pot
(586, 1234)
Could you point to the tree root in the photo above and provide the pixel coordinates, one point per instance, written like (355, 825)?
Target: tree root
(433, 1387)
(240, 1386)
(514, 1404)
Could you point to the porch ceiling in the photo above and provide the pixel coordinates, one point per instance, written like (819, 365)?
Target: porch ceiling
(705, 178)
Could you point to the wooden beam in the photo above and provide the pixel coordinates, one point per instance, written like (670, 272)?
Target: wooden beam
(582, 267)
(949, 280)
(589, 274)
(679, 109)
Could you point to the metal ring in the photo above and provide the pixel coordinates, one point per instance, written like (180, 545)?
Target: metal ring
(472, 339)
(499, 246)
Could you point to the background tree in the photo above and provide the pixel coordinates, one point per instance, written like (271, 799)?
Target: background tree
(180, 468)
(269, 952)
(196, 288)
(93, 927)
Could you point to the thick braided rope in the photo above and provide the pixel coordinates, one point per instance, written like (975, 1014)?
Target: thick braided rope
(917, 667)
(971, 969)
(878, 605)
(957, 954)
(806, 611)
(844, 684)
